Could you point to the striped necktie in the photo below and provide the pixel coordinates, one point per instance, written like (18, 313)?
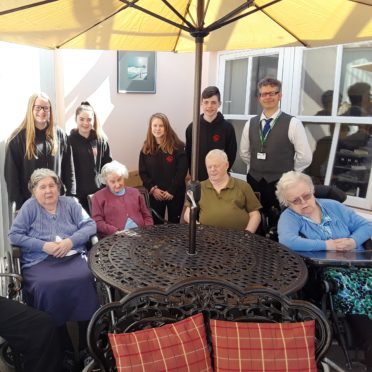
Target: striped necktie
(266, 127)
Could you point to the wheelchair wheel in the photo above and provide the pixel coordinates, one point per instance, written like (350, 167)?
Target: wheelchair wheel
(9, 357)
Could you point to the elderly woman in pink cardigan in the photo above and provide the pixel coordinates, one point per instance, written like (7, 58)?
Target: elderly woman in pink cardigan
(118, 207)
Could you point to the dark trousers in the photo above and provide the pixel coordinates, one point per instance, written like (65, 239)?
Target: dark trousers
(31, 333)
(361, 329)
(267, 192)
(174, 207)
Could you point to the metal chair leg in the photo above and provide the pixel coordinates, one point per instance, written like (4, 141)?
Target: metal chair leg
(336, 326)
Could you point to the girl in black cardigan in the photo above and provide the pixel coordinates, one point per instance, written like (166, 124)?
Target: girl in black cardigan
(163, 168)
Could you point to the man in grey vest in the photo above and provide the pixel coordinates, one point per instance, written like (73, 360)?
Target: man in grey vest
(272, 144)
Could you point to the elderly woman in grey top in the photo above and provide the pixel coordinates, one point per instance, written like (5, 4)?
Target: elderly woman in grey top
(52, 232)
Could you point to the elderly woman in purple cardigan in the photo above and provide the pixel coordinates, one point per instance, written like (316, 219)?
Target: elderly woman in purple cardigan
(52, 232)
(118, 207)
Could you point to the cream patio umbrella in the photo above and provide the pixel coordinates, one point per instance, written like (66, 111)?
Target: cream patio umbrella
(364, 66)
(185, 25)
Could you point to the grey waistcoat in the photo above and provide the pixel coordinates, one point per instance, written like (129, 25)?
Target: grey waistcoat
(278, 149)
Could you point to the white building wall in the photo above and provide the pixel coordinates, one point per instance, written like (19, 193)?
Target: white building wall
(72, 76)
(92, 76)
(23, 71)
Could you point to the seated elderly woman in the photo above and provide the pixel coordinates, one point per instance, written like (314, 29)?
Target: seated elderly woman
(52, 232)
(310, 224)
(118, 207)
(226, 201)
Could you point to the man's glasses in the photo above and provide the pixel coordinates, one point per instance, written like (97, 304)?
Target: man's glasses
(44, 108)
(301, 199)
(268, 94)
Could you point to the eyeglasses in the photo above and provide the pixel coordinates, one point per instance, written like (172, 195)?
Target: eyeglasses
(44, 108)
(268, 94)
(301, 199)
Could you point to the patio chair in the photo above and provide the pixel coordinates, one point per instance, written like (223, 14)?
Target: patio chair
(146, 196)
(216, 300)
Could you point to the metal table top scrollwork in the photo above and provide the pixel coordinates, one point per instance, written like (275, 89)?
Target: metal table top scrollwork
(157, 257)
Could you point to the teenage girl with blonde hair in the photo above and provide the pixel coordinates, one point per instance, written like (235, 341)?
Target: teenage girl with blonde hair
(37, 143)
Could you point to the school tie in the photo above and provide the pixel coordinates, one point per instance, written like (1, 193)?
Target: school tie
(266, 127)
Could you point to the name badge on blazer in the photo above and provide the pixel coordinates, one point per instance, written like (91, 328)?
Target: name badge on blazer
(261, 156)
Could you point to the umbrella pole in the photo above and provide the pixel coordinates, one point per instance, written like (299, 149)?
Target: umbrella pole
(194, 185)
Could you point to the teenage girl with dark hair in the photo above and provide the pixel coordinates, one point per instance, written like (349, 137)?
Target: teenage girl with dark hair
(90, 150)
(163, 168)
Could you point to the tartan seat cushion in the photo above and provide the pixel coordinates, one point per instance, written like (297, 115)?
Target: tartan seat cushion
(180, 346)
(263, 346)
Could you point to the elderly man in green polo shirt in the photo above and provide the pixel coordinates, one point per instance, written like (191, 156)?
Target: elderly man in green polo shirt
(226, 201)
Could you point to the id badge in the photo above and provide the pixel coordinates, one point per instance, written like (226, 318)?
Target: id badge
(261, 156)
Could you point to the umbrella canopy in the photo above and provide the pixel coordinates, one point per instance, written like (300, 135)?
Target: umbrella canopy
(185, 25)
(116, 25)
(364, 66)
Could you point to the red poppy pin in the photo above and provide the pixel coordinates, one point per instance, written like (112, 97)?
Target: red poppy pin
(169, 159)
(216, 138)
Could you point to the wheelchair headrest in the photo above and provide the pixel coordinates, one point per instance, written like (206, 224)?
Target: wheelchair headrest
(329, 192)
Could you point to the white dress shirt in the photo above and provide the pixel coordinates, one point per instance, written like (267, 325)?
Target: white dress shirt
(296, 135)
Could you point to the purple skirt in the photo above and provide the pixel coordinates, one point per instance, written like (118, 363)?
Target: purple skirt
(63, 287)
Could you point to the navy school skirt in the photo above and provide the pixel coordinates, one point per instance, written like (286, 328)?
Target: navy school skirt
(63, 287)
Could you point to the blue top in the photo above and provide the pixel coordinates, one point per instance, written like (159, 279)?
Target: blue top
(34, 226)
(338, 221)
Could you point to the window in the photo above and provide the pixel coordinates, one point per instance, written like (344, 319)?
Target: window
(352, 165)
(355, 86)
(329, 90)
(317, 84)
(320, 140)
(240, 82)
(240, 78)
(234, 93)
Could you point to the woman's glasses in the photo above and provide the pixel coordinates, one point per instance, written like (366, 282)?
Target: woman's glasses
(44, 108)
(301, 199)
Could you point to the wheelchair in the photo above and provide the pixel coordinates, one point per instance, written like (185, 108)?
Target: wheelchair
(323, 298)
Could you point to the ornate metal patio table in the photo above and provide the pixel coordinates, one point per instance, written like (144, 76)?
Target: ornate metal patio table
(157, 257)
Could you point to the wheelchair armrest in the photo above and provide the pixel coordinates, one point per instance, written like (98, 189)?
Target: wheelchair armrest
(13, 285)
(93, 240)
(16, 252)
(14, 257)
(368, 244)
(157, 215)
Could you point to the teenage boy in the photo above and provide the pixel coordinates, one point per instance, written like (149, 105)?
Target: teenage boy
(214, 132)
(272, 143)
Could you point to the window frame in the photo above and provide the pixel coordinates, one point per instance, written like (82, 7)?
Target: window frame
(290, 64)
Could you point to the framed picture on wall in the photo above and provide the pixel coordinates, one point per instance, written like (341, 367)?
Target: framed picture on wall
(136, 72)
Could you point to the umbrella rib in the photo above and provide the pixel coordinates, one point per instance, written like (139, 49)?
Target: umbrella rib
(228, 18)
(94, 25)
(26, 7)
(175, 11)
(360, 2)
(149, 12)
(187, 9)
(222, 22)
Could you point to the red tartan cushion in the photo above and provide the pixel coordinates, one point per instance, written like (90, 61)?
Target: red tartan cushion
(180, 346)
(263, 346)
